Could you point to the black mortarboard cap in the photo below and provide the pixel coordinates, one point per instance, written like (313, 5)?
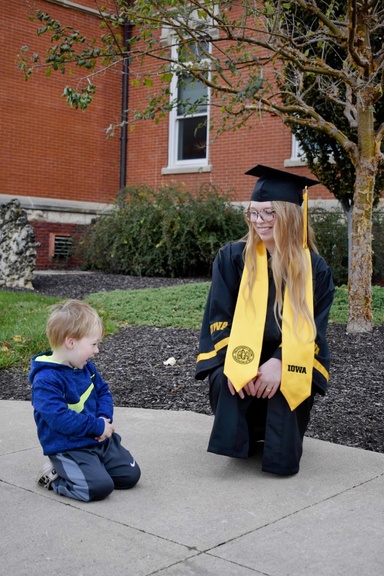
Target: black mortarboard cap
(276, 184)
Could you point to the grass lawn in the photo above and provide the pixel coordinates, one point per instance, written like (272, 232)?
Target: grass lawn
(24, 314)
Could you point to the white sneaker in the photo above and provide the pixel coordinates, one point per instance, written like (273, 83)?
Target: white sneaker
(47, 474)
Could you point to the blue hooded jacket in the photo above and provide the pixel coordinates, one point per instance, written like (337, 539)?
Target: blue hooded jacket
(69, 405)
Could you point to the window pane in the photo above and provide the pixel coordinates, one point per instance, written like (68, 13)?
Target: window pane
(193, 50)
(192, 138)
(190, 90)
(297, 151)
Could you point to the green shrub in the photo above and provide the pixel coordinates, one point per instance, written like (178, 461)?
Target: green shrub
(174, 233)
(332, 241)
(331, 233)
(378, 247)
(168, 233)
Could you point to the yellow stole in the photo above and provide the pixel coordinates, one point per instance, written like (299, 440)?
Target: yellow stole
(246, 338)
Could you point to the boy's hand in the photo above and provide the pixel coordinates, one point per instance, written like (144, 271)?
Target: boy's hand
(108, 430)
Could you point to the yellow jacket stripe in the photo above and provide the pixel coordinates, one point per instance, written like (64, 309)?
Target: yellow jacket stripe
(321, 369)
(218, 346)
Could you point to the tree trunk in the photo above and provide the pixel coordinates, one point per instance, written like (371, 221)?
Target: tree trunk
(347, 211)
(360, 278)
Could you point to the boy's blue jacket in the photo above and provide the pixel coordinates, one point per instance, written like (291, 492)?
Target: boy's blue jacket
(69, 404)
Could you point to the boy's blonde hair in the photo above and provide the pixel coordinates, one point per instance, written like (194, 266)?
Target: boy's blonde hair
(73, 319)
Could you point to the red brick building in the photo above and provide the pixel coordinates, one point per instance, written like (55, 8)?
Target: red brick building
(58, 162)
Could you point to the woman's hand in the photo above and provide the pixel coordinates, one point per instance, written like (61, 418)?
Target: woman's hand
(266, 382)
(249, 389)
(268, 378)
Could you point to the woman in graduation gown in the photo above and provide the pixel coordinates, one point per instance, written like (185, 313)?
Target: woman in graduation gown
(263, 338)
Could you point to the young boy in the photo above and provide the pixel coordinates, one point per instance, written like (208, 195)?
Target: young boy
(73, 411)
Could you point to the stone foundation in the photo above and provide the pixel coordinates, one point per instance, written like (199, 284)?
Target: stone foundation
(17, 247)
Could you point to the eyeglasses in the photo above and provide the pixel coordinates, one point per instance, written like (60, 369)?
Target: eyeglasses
(265, 215)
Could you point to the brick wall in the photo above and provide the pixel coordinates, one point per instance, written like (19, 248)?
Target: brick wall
(44, 237)
(52, 150)
(265, 140)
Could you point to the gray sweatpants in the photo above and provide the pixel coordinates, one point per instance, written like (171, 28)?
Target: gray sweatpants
(93, 473)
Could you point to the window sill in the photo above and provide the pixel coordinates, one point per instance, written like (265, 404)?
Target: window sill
(291, 162)
(186, 170)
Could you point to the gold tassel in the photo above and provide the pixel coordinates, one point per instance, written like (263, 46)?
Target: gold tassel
(305, 231)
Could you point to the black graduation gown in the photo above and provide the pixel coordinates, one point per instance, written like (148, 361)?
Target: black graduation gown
(239, 423)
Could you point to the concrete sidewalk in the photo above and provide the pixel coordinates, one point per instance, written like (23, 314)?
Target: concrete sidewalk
(192, 513)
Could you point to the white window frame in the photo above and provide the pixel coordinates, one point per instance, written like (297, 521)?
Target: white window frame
(168, 39)
(297, 154)
(174, 164)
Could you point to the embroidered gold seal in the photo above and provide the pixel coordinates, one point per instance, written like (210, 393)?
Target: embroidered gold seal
(243, 355)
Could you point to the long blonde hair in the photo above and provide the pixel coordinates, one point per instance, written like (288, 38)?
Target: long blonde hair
(288, 262)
